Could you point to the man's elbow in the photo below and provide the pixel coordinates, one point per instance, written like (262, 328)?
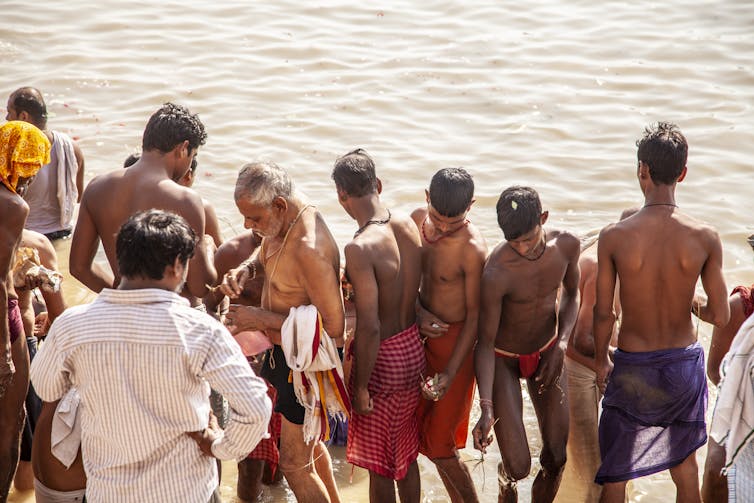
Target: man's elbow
(720, 317)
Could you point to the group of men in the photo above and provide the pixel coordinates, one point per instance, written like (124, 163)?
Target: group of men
(435, 313)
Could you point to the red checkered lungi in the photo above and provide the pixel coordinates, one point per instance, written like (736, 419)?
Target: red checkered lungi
(267, 448)
(386, 441)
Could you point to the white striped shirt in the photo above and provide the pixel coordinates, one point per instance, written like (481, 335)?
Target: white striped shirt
(143, 362)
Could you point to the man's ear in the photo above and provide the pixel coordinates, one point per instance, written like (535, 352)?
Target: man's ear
(342, 196)
(468, 208)
(379, 186)
(543, 217)
(683, 175)
(279, 203)
(643, 171)
(24, 116)
(426, 195)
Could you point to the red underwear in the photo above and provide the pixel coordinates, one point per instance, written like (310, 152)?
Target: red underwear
(15, 324)
(527, 364)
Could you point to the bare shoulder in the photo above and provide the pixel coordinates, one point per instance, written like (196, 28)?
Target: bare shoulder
(101, 185)
(568, 243)
(702, 230)
(419, 215)
(406, 226)
(14, 210)
(476, 245)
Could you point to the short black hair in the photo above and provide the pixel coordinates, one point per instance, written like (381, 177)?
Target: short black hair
(354, 174)
(30, 100)
(518, 211)
(150, 241)
(451, 191)
(171, 125)
(131, 160)
(664, 149)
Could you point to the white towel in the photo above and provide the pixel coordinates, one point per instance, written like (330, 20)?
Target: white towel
(298, 342)
(66, 428)
(67, 169)
(733, 420)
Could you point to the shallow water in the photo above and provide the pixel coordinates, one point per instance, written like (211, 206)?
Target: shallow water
(552, 95)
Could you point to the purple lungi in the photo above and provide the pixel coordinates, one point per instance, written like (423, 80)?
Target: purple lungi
(653, 412)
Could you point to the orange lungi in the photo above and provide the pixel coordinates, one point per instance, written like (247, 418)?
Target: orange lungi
(444, 424)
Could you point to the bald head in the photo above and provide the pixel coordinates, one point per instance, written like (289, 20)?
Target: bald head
(29, 100)
(261, 182)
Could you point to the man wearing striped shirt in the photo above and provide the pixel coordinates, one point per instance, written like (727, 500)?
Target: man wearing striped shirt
(143, 361)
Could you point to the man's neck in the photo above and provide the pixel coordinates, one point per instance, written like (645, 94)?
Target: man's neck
(143, 283)
(292, 214)
(156, 162)
(367, 208)
(660, 195)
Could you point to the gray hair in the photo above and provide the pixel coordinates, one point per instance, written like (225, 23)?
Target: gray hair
(261, 182)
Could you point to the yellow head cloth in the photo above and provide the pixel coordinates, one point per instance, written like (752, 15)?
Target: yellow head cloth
(24, 149)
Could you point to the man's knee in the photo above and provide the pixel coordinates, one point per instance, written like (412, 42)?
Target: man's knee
(553, 460)
(514, 470)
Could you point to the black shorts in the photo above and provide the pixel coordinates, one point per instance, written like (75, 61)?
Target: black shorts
(276, 371)
(33, 409)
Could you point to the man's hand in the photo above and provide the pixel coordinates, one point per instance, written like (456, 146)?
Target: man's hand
(240, 318)
(430, 326)
(234, 280)
(362, 402)
(41, 324)
(208, 435)
(434, 388)
(481, 432)
(550, 367)
(7, 369)
(603, 374)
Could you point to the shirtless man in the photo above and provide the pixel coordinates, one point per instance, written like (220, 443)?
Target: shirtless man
(24, 149)
(301, 263)
(524, 329)
(656, 396)
(171, 139)
(383, 262)
(453, 255)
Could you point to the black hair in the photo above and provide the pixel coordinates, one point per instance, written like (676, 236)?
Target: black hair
(171, 125)
(451, 191)
(664, 149)
(354, 174)
(518, 211)
(150, 241)
(131, 160)
(30, 100)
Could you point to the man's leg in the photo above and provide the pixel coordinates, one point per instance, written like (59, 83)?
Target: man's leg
(551, 405)
(12, 416)
(510, 432)
(714, 484)
(457, 479)
(249, 484)
(381, 489)
(297, 466)
(409, 487)
(613, 492)
(323, 465)
(686, 479)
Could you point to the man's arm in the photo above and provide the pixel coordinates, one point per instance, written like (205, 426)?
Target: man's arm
(484, 354)
(83, 249)
(722, 337)
(473, 265)
(604, 315)
(211, 224)
(321, 280)
(80, 172)
(54, 300)
(228, 372)
(716, 310)
(15, 212)
(48, 375)
(367, 333)
(568, 311)
(201, 271)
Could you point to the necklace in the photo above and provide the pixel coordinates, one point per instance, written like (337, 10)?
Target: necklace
(285, 238)
(375, 222)
(544, 248)
(433, 241)
(661, 204)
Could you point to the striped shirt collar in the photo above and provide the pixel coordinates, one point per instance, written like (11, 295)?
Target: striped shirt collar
(141, 296)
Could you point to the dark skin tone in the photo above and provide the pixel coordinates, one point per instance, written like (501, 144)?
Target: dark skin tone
(452, 266)
(658, 254)
(383, 263)
(520, 314)
(150, 183)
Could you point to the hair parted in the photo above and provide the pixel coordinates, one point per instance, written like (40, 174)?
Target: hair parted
(664, 149)
(30, 100)
(354, 174)
(451, 191)
(150, 241)
(171, 125)
(518, 211)
(261, 182)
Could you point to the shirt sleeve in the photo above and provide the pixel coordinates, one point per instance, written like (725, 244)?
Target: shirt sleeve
(48, 374)
(228, 373)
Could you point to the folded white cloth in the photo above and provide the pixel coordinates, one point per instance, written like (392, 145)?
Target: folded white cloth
(67, 169)
(317, 371)
(66, 428)
(733, 419)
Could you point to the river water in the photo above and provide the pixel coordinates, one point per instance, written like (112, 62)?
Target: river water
(551, 94)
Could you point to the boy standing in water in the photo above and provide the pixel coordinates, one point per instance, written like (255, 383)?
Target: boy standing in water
(656, 393)
(453, 254)
(524, 329)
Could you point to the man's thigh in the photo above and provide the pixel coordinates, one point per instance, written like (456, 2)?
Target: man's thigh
(507, 405)
(11, 411)
(295, 454)
(551, 406)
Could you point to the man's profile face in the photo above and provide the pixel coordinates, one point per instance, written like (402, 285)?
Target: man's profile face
(12, 115)
(528, 245)
(263, 220)
(185, 166)
(443, 224)
(23, 184)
